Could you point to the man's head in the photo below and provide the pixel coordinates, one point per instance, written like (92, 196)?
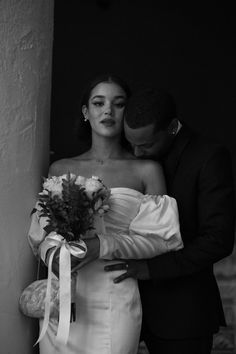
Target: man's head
(150, 122)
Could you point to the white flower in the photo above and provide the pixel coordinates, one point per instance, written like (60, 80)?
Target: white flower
(80, 180)
(53, 185)
(92, 185)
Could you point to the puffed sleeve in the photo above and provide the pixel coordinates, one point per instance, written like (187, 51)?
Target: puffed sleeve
(153, 231)
(36, 234)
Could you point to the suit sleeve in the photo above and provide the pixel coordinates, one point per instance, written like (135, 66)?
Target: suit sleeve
(216, 222)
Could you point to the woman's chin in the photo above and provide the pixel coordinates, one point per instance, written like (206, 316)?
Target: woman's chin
(110, 133)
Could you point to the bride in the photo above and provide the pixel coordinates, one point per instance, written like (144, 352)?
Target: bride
(142, 222)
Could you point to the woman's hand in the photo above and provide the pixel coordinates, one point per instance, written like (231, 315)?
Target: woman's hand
(55, 262)
(93, 250)
(74, 262)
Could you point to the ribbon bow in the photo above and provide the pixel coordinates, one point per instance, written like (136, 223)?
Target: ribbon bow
(66, 249)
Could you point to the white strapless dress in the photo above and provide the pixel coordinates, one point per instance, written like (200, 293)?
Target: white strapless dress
(109, 315)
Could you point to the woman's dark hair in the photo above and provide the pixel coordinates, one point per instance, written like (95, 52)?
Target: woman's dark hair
(83, 128)
(109, 78)
(150, 106)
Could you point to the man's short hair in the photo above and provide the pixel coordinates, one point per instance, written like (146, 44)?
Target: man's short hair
(150, 106)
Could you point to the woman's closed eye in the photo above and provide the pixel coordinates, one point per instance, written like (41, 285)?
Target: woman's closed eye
(119, 104)
(98, 103)
(115, 104)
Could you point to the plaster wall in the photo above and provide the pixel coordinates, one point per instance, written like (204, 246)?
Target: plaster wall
(26, 33)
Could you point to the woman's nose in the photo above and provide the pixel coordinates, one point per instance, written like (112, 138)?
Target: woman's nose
(108, 109)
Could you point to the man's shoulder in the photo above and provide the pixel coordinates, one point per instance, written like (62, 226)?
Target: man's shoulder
(207, 147)
(202, 144)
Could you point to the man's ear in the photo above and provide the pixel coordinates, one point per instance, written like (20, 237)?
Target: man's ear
(85, 112)
(173, 127)
(125, 123)
(126, 127)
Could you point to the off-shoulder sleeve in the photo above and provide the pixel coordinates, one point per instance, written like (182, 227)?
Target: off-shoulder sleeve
(36, 234)
(155, 230)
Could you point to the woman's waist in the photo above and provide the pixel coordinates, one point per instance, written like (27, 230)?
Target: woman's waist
(93, 282)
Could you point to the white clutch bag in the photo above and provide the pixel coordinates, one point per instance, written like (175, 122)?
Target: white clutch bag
(32, 299)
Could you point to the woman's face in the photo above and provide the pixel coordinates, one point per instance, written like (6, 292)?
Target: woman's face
(105, 109)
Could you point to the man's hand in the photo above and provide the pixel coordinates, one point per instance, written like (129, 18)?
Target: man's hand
(93, 250)
(137, 269)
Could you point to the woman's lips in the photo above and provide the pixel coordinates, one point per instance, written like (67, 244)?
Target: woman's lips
(108, 122)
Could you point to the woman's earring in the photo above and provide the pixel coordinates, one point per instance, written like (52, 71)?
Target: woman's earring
(173, 127)
(85, 119)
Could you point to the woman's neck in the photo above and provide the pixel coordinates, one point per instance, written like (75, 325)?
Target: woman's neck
(106, 148)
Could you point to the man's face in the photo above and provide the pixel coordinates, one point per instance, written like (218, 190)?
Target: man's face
(146, 142)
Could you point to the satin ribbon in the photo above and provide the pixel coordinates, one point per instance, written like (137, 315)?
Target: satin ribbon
(66, 250)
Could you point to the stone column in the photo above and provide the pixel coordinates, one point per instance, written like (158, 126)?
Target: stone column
(26, 32)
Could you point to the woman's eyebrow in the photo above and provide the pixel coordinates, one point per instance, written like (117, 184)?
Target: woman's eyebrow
(120, 96)
(97, 96)
(116, 97)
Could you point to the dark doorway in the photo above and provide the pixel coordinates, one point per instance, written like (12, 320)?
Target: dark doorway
(186, 48)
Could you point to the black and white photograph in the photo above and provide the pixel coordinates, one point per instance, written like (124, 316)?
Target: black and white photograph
(118, 176)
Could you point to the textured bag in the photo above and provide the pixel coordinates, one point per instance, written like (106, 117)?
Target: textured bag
(32, 299)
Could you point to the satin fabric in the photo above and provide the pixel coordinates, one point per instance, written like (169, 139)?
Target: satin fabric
(109, 315)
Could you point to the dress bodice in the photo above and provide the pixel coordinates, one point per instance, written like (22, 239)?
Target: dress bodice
(136, 226)
(124, 204)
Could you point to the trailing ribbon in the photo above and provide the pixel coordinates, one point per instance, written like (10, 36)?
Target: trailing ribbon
(66, 250)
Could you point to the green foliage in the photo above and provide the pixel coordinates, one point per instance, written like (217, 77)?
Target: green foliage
(70, 215)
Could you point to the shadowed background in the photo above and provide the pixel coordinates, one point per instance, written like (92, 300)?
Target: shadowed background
(187, 48)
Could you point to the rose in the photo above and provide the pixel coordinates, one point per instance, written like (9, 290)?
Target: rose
(54, 184)
(80, 180)
(92, 185)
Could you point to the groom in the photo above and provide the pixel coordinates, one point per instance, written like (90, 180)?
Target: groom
(181, 303)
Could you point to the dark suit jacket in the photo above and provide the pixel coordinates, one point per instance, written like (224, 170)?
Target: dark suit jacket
(182, 298)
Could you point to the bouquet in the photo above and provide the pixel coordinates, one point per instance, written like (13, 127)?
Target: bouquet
(70, 203)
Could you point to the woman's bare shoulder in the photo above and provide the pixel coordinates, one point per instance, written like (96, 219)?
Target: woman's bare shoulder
(62, 166)
(151, 174)
(147, 166)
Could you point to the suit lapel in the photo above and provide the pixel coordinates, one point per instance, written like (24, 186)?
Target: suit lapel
(172, 160)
